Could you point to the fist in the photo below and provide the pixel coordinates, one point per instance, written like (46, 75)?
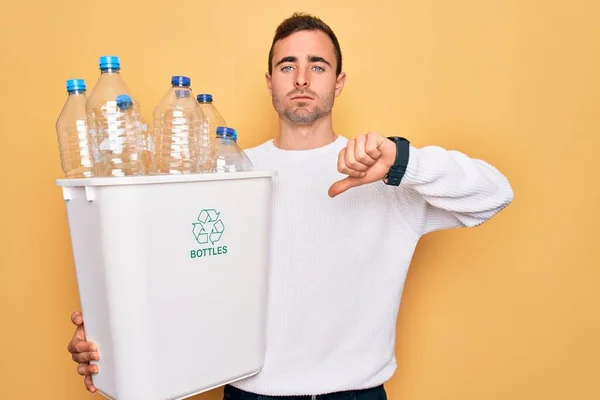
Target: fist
(366, 159)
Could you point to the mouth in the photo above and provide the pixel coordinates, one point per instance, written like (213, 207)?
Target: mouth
(302, 98)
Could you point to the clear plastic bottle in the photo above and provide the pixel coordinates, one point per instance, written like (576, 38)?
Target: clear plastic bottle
(213, 119)
(119, 135)
(213, 116)
(72, 132)
(177, 129)
(227, 156)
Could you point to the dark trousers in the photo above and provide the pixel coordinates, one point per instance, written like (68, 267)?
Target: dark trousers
(376, 393)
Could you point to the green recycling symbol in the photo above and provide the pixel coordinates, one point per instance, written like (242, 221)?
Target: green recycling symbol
(209, 227)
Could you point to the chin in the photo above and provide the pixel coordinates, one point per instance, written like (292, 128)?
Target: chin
(300, 110)
(305, 119)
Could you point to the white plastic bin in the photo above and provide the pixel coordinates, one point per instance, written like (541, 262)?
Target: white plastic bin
(172, 277)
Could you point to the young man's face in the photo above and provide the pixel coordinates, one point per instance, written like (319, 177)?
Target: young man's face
(303, 84)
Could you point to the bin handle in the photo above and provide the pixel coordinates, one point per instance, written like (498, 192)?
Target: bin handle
(69, 193)
(90, 194)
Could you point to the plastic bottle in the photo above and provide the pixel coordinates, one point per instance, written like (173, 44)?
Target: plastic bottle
(213, 116)
(213, 119)
(72, 132)
(119, 135)
(227, 155)
(177, 129)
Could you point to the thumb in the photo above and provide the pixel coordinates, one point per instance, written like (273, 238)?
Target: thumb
(77, 318)
(341, 186)
(79, 333)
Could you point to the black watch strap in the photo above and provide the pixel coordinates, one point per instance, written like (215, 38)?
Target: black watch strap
(397, 171)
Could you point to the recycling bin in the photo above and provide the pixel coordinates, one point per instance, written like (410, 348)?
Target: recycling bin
(172, 278)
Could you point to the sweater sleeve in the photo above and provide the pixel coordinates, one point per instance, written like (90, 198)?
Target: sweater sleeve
(453, 189)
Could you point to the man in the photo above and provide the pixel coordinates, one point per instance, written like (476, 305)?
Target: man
(340, 257)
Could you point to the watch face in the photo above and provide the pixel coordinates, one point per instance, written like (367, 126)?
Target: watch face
(396, 172)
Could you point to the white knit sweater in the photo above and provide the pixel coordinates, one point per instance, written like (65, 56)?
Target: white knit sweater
(338, 265)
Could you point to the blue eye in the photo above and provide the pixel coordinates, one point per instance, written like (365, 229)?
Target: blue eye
(318, 69)
(287, 68)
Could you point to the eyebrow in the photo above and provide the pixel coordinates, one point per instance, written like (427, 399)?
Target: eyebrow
(287, 59)
(318, 59)
(310, 59)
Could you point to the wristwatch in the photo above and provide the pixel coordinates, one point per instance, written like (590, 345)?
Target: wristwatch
(398, 169)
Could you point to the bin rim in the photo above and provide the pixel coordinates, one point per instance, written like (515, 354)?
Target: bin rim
(161, 179)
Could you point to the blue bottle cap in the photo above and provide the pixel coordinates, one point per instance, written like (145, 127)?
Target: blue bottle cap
(75, 84)
(124, 102)
(178, 80)
(111, 62)
(224, 131)
(204, 98)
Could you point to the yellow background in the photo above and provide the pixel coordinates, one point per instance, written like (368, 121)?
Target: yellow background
(509, 310)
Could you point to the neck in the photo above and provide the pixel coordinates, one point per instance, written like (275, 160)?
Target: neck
(305, 137)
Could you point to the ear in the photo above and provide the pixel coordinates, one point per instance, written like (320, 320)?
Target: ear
(268, 79)
(339, 83)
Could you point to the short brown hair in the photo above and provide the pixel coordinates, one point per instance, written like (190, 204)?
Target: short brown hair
(305, 22)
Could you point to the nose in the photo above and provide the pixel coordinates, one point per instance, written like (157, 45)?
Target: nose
(302, 80)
